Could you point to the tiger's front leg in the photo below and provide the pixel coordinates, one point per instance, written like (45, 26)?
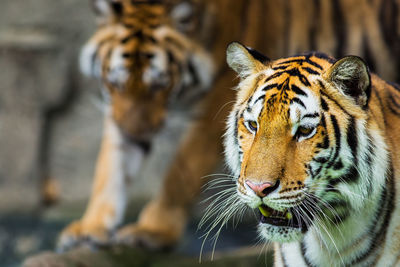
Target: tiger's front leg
(117, 160)
(163, 220)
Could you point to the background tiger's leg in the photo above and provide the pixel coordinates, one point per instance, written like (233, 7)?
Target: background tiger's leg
(107, 202)
(162, 221)
(49, 191)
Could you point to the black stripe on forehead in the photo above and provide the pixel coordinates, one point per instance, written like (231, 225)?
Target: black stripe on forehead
(301, 61)
(258, 99)
(273, 76)
(323, 56)
(292, 87)
(270, 86)
(140, 36)
(311, 71)
(297, 90)
(283, 67)
(309, 55)
(327, 97)
(283, 89)
(293, 72)
(298, 101)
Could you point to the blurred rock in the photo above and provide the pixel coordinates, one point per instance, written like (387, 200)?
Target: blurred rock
(33, 77)
(121, 257)
(26, 244)
(40, 84)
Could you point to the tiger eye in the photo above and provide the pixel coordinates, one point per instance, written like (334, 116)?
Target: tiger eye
(253, 125)
(304, 131)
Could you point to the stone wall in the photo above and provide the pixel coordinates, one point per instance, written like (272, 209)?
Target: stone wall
(40, 86)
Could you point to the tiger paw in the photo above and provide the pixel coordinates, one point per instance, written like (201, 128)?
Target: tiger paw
(158, 228)
(78, 233)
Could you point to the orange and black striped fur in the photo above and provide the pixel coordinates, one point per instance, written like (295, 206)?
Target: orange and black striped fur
(152, 55)
(370, 29)
(314, 144)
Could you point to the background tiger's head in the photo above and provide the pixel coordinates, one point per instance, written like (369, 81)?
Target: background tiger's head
(297, 140)
(145, 60)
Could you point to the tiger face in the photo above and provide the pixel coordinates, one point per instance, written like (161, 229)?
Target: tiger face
(294, 139)
(145, 61)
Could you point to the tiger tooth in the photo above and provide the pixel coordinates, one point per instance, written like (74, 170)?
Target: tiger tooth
(264, 211)
(289, 216)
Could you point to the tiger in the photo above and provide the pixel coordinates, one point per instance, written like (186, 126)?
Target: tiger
(152, 55)
(313, 143)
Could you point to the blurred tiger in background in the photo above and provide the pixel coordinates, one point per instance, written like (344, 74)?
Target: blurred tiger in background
(151, 55)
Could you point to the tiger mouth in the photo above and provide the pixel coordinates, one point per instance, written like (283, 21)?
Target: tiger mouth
(280, 218)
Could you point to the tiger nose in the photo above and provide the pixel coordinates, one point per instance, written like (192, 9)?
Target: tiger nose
(262, 189)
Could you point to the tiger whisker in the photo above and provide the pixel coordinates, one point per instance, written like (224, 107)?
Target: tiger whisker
(314, 205)
(320, 223)
(218, 174)
(224, 207)
(310, 222)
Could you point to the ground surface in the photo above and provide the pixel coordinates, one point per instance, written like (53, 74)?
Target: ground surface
(125, 257)
(26, 235)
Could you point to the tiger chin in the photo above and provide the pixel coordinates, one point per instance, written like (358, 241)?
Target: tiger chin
(313, 142)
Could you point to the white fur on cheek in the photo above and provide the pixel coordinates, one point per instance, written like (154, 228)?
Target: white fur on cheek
(231, 144)
(231, 149)
(89, 65)
(118, 74)
(90, 57)
(157, 69)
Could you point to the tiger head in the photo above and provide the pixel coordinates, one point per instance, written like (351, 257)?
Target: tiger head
(145, 59)
(297, 142)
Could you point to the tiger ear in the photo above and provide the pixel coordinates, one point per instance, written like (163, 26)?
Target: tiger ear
(244, 60)
(351, 76)
(107, 8)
